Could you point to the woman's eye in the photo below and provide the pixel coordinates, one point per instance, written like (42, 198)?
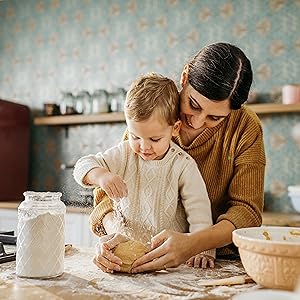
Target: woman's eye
(215, 118)
(193, 104)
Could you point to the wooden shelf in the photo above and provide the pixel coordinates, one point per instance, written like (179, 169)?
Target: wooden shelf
(274, 108)
(80, 119)
(265, 108)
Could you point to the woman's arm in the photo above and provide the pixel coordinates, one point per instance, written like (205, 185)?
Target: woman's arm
(170, 249)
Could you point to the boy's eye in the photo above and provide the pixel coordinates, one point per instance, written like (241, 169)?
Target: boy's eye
(134, 137)
(155, 140)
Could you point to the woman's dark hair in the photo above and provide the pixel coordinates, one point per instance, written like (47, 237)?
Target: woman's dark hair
(221, 71)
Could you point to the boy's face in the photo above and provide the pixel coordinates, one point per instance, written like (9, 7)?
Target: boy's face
(150, 139)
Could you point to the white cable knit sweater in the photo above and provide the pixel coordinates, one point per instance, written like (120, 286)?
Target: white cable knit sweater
(162, 194)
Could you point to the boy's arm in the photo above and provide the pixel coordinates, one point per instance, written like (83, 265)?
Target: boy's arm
(195, 200)
(96, 165)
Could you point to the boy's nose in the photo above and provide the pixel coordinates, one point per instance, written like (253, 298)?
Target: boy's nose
(144, 145)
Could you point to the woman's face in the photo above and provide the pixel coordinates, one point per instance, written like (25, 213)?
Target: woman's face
(198, 112)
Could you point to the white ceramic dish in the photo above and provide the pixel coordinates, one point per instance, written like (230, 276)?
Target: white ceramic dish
(267, 295)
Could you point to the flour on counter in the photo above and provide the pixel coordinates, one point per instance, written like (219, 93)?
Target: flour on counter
(83, 280)
(40, 246)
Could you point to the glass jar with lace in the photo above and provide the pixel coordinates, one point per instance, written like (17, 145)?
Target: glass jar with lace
(41, 233)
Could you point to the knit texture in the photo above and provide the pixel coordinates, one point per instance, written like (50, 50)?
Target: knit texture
(231, 159)
(161, 194)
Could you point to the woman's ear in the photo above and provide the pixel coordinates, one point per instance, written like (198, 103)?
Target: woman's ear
(176, 128)
(184, 75)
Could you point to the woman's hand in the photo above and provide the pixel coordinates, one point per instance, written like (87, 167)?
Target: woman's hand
(113, 185)
(105, 259)
(170, 249)
(201, 261)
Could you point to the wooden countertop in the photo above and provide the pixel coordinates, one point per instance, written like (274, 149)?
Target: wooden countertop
(83, 280)
(281, 219)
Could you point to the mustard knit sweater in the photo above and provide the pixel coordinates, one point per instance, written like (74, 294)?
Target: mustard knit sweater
(231, 160)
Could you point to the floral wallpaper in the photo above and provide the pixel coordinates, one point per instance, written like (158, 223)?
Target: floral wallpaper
(51, 46)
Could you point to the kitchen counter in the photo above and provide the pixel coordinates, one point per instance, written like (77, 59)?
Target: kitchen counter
(70, 208)
(281, 219)
(269, 218)
(83, 280)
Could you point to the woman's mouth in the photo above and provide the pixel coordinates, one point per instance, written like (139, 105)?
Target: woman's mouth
(188, 123)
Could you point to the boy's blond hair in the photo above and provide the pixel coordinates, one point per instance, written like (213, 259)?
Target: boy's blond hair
(152, 93)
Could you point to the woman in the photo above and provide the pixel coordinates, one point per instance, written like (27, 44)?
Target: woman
(226, 140)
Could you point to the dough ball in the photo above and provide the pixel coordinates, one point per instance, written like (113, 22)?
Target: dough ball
(129, 252)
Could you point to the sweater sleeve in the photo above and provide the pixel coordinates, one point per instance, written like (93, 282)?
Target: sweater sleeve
(111, 159)
(246, 190)
(195, 200)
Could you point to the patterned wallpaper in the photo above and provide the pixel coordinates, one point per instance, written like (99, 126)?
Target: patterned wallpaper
(50, 46)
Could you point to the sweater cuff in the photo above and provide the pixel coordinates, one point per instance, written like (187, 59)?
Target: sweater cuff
(211, 252)
(99, 195)
(79, 173)
(97, 215)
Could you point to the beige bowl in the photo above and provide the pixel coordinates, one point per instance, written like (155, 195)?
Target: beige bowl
(270, 255)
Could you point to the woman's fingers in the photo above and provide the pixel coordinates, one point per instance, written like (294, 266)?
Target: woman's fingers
(159, 239)
(153, 265)
(153, 260)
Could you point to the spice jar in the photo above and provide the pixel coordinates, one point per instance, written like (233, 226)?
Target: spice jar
(41, 233)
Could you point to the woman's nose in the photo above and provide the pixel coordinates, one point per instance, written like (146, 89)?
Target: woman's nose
(198, 120)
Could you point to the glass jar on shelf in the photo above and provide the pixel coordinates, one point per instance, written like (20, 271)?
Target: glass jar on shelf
(67, 104)
(86, 101)
(116, 100)
(121, 96)
(78, 104)
(100, 102)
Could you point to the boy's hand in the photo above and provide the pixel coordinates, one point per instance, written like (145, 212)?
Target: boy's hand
(105, 259)
(113, 185)
(201, 261)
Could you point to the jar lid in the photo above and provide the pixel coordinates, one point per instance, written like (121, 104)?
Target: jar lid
(42, 196)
